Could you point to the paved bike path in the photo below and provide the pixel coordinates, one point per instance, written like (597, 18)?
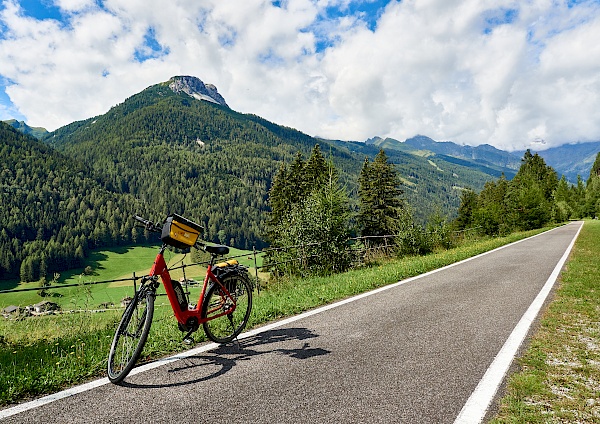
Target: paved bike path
(413, 353)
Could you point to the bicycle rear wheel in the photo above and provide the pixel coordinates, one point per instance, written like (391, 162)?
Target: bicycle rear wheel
(227, 327)
(131, 335)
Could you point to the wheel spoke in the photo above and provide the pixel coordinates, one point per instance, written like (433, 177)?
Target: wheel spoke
(130, 336)
(235, 306)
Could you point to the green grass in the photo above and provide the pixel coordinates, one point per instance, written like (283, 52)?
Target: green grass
(44, 354)
(108, 265)
(559, 379)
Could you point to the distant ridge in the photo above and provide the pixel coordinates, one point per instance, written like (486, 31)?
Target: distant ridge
(37, 132)
(484, 158)
(572, 160)
(569, 160)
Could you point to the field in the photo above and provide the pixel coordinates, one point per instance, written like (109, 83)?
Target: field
(106, 265)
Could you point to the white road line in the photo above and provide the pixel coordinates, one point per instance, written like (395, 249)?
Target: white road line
(5, 413)
(473, 412)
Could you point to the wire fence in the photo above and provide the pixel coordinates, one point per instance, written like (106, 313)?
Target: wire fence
(361, 250)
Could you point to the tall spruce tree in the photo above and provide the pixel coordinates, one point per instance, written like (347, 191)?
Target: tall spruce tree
(278, 201)
(592, 192)
(595, 171)
(309, 210)
(530, 198)
(381, 208)
(468, 206)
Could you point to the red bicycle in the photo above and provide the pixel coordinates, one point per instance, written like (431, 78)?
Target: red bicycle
(223, 308)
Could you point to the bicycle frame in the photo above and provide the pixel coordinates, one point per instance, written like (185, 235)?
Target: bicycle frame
(161, 269)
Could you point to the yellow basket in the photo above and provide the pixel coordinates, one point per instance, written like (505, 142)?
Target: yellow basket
(180, 232)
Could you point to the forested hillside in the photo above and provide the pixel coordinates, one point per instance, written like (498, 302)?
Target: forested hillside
(430, 184)
(178, 154)
(160, 152)
(52, 209)
(215, 165)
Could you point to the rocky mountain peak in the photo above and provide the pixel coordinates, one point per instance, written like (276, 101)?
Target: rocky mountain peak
(195, 88)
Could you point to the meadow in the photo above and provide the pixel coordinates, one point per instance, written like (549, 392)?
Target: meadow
(116, 264)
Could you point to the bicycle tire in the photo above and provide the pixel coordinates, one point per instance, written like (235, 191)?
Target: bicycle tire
(127, 345)
(227, 327)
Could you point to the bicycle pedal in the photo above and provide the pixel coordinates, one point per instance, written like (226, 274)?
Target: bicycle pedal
(188, 340)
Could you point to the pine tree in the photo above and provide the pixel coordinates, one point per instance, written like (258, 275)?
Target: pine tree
(595, 171)
(466, 210)
(315, 171)
(278, 201)
(381, 209)
(295, 185)
(309, 210)
(530, 196)
(592, 193)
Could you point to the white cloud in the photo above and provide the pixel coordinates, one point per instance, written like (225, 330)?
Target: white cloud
(503, 72)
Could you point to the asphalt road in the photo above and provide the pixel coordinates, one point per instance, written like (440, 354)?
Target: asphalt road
(410, 354)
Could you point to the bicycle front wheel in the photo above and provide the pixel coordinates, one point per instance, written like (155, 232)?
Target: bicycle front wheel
(131, 336)
(233, 319)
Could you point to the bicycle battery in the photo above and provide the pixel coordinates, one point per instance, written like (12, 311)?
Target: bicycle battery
(180, 294)
(180, 232)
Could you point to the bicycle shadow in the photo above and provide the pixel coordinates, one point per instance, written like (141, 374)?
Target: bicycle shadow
(222, 359)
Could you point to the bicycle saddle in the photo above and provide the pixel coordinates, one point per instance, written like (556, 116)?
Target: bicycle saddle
(217, 250)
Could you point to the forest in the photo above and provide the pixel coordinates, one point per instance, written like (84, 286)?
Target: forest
(532, 199)
(159, 152)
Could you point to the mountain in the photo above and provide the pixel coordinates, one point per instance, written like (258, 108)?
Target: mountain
(174, 147)
(179, 153)
(572, 160)
(37, 132)
(484, 158)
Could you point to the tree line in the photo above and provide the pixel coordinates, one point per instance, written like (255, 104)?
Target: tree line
(533, 198)
(311, 219)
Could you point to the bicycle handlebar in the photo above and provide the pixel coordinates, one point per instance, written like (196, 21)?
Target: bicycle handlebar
(148, 225)
(151, 226)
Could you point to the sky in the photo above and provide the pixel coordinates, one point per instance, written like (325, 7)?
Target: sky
(515, 74)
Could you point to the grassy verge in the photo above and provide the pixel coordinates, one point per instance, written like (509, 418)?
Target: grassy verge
(42, 355)
(559, 380)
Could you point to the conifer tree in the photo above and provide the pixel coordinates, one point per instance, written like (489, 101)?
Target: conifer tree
(279, 202)
(316, 170)
(592, 192)
(466, 210)
(595, 171)
(381, 209)
(309, 210)
(295, 182)
(530, 196)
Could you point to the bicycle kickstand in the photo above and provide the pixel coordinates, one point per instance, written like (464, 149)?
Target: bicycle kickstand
(188, 339)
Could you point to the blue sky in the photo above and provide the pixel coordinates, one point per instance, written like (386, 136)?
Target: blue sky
(41, 9)
(514, 74)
